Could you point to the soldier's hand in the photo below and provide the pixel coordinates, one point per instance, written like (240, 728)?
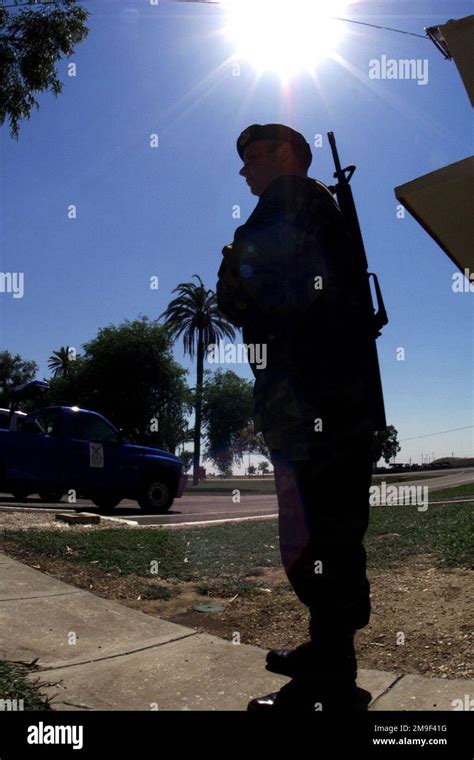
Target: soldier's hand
(232, 256)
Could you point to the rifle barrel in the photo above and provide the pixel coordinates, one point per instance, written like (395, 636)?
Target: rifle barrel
(337, 163)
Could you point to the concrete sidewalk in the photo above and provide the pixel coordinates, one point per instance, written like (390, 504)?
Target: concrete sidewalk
(123, 659)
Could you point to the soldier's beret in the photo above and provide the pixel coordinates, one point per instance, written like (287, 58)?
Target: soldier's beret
(275, 132)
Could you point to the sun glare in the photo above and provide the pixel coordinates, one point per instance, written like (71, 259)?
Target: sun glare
(285, 36)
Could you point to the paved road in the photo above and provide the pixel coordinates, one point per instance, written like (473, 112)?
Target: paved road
(208, 508)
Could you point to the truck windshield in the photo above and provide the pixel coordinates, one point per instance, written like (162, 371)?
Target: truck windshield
(89, 427)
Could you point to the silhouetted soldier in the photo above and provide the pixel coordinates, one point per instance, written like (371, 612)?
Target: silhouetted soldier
(288, 280)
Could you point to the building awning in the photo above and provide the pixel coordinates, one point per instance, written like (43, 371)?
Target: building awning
(455, 40)
(441, 202)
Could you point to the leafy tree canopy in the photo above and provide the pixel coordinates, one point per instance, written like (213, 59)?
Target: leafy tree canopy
(14, 371)
(127, 373)
(227, 408)
(385, 444)
(32, 40)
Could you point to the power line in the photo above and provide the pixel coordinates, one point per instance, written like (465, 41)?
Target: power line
(376, 26)
(214, 2)
(453, 430)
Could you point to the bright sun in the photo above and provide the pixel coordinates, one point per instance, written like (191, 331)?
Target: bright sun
(285, 36)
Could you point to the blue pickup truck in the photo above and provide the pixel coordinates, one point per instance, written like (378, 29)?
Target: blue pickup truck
(60, 449)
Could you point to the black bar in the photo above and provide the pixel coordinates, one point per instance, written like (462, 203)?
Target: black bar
(151, 734)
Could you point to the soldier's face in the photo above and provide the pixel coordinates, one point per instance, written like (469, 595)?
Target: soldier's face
(261, 165)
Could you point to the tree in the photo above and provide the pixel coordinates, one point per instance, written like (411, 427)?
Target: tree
(249, 442)
(128, 374)
(194, 315)
(14, 371)
(69, 388)
(263, 467)
(60, 362)
(31, 41)
(186, 458)
(227, 408)
(385, 444)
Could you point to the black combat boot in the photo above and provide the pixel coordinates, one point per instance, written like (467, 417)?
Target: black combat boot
(313, 697)
(330, 658)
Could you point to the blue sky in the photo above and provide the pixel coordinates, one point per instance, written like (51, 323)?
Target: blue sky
(167, 211)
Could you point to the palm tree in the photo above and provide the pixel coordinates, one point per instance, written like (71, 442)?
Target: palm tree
(194, 312)
(60, 362)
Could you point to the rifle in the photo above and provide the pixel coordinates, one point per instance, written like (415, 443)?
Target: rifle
(375, 319)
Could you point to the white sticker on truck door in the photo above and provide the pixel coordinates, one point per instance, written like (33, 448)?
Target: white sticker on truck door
(96, 455)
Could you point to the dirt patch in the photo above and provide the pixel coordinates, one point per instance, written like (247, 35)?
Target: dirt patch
(419, 621)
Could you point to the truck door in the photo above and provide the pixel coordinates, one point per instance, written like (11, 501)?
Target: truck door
(36, 450)
(93, 452)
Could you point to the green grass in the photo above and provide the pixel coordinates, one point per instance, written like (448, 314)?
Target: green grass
(230, 587)
(230, 551)
(457, 492)
(267, 486)
(399, 477)
(14, 686)
(155, 592)
(217, 551)
(444, 531)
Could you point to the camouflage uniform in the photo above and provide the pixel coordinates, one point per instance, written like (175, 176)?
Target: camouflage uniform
(288, 280)
(313, 328)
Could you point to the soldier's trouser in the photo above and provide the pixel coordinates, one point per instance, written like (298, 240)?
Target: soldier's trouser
(323, 516)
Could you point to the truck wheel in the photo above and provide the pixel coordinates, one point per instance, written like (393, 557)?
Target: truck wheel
(20, 492)
(106, 501)
(50, 496)
(156, 497)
